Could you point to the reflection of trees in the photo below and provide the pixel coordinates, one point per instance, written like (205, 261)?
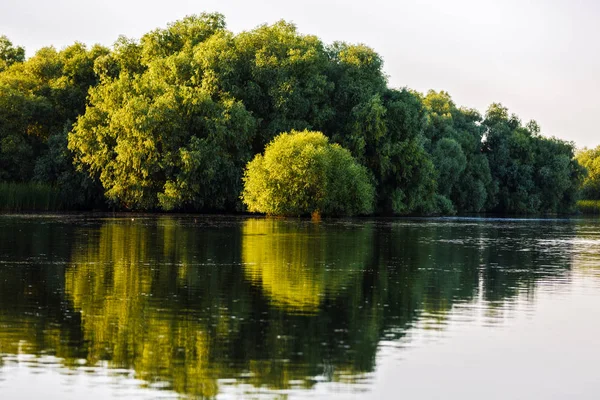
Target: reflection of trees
(276, 301)
(441, 264)
(142, 288)
(517, 257)
(586, 257)
(298, 264)
(154, 299)
(34, 317)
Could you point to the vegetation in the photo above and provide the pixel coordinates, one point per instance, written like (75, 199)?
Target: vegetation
(454, 139)
(302, 173)
(17, 197)
(39, 100)
(590, 160)
(170, 121)
(589, 206)
(590, 188)
(533, 173)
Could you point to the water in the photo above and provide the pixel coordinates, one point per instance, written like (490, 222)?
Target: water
(140, 307)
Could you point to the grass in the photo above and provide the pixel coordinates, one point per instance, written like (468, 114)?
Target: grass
(17, 197)
(589, 206)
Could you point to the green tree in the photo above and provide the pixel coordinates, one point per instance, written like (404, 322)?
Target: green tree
(534, 174)
(9, 54)
(382, 128)
(590, 160)
(169, 121)
(302, 173)
(279, 81)
(279, 75)
(39, 99)
(454, 140)
(152, 136)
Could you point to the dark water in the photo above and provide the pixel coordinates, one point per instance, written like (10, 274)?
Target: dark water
(206, 307)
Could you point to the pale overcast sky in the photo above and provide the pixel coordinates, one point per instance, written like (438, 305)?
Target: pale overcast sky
(540, 58)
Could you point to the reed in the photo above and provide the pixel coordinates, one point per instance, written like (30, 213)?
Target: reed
(18, 197)
(589, 206)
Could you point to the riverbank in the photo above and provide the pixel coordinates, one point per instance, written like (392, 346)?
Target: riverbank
(33, 198)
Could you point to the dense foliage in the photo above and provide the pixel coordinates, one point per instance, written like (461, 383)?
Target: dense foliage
(454, 140)
(590, 160)
(533, 173)
(302, 173)
(171, 120)
(39, 100)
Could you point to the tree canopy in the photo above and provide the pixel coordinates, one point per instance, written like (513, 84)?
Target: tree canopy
(590, 160)
(534, 174)
(169, 122)
(9, 54)
(454, 139)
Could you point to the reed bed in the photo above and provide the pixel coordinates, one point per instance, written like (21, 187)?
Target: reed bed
(18, 197)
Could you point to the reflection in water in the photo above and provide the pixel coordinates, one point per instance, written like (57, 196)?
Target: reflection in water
(147, 303)
(193, 305)
(297, 265)
(34, 315)
(587, 258)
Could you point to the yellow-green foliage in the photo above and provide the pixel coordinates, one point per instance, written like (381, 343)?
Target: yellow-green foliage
(29, 197)
(302, 173)
(171, 120)
(292, 264)
(589, 206)
(590, 160)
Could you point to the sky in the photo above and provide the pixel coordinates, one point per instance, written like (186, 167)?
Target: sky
(539, 58)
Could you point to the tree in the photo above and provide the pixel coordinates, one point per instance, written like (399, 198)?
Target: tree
(281, 77)
(534, 174)
(301, 173)
(153, 136)
(405, 172)
(454, 140)
(169, 122)
(39, 100)
(382, 128)
(10, 54)
(590, 160)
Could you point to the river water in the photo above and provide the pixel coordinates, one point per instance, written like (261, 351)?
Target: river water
(135, 307)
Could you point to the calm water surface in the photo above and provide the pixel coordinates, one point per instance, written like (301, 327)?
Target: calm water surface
(214, 307)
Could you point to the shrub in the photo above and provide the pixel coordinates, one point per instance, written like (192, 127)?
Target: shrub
(301, 173)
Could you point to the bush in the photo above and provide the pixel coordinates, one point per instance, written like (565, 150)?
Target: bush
(301, 173)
